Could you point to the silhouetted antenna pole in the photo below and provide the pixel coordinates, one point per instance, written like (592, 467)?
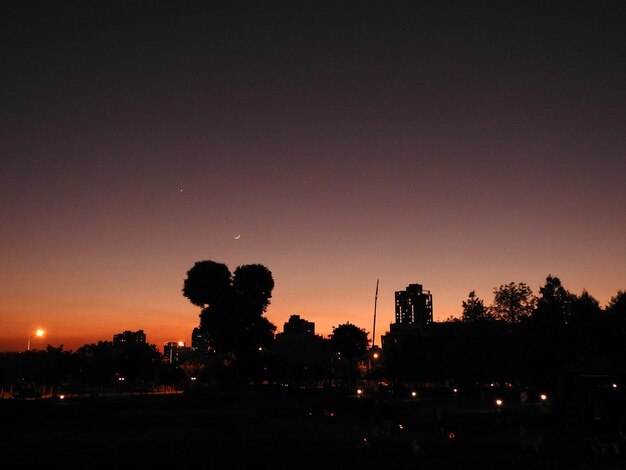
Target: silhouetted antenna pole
(374, 329)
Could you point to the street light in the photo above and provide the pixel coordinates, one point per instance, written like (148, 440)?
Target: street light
(39, 333)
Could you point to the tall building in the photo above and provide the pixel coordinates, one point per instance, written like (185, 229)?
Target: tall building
(199, 340)
(129, 337)
(414, 311)
(414, 306)
(173, 351)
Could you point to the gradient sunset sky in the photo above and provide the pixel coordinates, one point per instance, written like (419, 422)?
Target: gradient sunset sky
(459, 145)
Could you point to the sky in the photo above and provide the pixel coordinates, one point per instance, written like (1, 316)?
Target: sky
(458, 145)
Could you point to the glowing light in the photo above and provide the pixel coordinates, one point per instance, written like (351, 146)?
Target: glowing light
(359, 392)
(413, 394)
(39, 333)
(499, 402)
(543, 397)
(451, 435)
(455, 390)
(614, 386)
(375, 355)
(193, 378)
(121, 379)
(400, 426)
(61, 397)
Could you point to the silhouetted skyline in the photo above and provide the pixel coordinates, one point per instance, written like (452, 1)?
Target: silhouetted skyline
(462, 146)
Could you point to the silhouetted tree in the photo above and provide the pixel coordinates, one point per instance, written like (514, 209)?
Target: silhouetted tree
(232, 314)
(548, 335)
(585, 310)
(553, 305)
(590, 329)
(57, 365)
(617, 309)
(208, 283)
(349, 342)
(49, 368)
(137, 362)
(465, 352)
(474, 308)
(513, 302)
(96, 363)
(101, 363)
(253, 285)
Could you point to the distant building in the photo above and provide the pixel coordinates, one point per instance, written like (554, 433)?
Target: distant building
(129, 337)
(301, 356)
(414, 306)
(414, 311)
(400, 334)
(173, 351)
(199, 341)
(297, 325)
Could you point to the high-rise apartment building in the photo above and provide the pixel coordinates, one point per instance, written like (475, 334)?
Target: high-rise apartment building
(173, 350)
(414, 311)
(414, 306)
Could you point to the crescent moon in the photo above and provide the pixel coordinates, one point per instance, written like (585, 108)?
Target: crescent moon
(237, 237)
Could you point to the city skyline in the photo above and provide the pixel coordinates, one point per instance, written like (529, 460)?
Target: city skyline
(456, 146)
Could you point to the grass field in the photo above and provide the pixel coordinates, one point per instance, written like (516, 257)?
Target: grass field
(268, 427)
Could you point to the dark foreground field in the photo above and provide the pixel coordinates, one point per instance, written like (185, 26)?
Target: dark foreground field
(277, 428)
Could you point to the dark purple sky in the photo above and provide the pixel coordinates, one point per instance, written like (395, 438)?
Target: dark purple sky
(460, 145)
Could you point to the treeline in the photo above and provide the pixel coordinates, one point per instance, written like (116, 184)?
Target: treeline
(108, 367)
(91, 369)
(519, 337)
